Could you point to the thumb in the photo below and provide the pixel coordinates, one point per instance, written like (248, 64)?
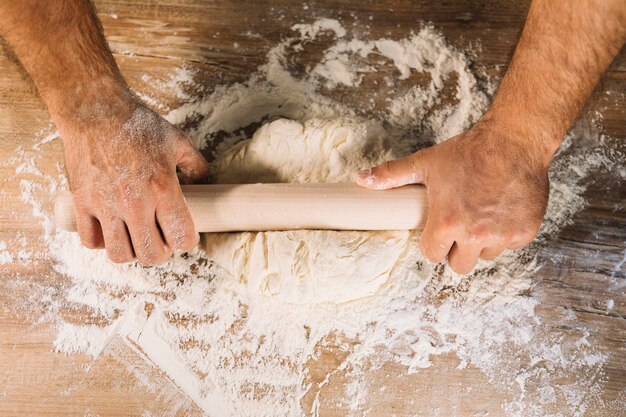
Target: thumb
(391, 174)
(193, 167)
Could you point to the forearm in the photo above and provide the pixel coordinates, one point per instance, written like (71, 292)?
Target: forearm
(564, 49)
(61, 46)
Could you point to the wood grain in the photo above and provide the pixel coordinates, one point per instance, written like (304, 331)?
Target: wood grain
(225, 41)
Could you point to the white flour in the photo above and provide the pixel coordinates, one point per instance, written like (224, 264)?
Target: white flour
(5, 256)
(236, 351)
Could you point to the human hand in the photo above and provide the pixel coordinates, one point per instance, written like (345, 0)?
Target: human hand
(122, 159)
(487, 191)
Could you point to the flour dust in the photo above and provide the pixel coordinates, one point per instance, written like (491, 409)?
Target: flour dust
(240, 348)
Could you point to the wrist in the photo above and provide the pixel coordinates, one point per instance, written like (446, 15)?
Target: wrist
(527, 142)
(538, 136)
(85, 105)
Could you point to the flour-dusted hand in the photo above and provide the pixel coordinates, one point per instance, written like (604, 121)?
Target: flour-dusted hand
(123, 174)
(486, 193)
(121, 158)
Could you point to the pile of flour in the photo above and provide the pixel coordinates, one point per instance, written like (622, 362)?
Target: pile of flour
(237, 322)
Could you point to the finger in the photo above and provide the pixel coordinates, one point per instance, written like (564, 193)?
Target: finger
(522, 239)
(147, 240)
(435, 245)
(117, 241)
(491, 253)
(463, 257)
(438, 235)
(518, 244)
(89, 230)
(391, 174)
(192, 165)
(176, 224)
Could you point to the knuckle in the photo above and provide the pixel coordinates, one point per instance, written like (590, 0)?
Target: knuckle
(480, 234)
(449, 221)
(179, 228)
(129, 200)
(190, 241)
(90, 242)
(432, 256)
(183, 141)
(475, 240)
(153, 257)
(89, 237)
(138, 215)
(148, 257)
(179, 239)
(117, 252)
(490, 253)
(162, 183)
(119, 257)
(148, 260)
(87, 233)
(524, 237)
(82, 199)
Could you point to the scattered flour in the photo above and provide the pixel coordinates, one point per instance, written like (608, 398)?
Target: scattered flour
(236, 322)
(5, 257)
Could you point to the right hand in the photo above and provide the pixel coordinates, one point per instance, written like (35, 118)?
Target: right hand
(487, 192)
(122, 164)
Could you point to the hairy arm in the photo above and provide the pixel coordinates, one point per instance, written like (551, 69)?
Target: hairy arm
(121, 158)
(61, 46)
(564, 49)
(488, 187)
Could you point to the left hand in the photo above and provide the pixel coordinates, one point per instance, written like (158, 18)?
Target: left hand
(122, 169)
(487, 191)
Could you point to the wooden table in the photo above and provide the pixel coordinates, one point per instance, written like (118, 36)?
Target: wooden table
(156, 37)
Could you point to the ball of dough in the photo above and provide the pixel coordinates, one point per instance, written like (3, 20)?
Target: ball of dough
(311, 152)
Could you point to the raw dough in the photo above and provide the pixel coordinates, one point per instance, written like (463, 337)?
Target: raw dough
(307, 266)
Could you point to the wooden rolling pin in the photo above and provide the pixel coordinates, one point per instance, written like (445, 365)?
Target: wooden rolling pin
(259, 207)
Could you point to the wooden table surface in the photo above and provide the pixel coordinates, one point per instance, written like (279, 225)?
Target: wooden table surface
(157, 37)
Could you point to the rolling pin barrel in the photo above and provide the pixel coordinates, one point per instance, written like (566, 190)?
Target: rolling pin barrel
(260, 207)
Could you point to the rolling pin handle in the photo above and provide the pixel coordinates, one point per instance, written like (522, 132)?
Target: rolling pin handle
(64, 216)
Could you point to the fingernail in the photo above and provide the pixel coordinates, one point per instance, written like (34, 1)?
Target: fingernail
(366, 176)
(365, 172)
